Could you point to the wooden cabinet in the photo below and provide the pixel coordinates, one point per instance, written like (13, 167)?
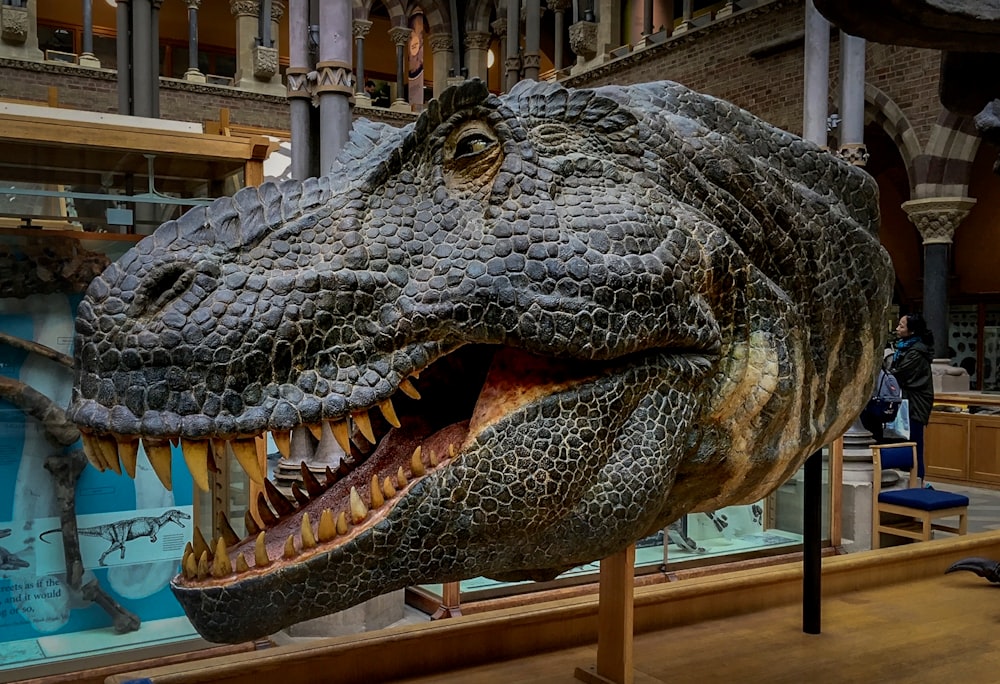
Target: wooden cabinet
(963, 447)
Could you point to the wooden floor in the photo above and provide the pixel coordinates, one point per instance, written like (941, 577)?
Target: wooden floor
(945, 629)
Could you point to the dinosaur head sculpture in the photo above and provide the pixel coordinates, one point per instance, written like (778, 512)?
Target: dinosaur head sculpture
(539, 326)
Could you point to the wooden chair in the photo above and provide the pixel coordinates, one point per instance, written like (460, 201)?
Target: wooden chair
(919, 506)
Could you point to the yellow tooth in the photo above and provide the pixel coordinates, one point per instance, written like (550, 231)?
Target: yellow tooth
(317, 431)
(434, 460)
(342, 523)
(128, 449)
(92, 450)
(387, 489)
(226, 530)
(389, 412)
(221, 567)
(451, 451)
(358, 509)
(241, 564)
(416, 464)
(200, 545)
(415, 375)
(109, 453)
(158, 453)
(196, 457)
(252, 527)
(342, 433)
(308, 540)
(327, 528)
(376, 491)
(401, 478)
(245, 451)
(408, 389)
(204, 566)
(190, 566)
(364, 424)
(282, 440)
(260, 558)
(289, 551)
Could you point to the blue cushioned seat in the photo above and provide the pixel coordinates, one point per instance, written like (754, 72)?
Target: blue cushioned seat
(924, 499)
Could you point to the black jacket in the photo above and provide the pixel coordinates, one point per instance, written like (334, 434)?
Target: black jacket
(913, 371)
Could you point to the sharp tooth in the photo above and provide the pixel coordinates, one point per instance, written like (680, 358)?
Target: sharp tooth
(158, 453)
(266, 515)
(313, 487)
(196, 457)
(344, 469)
(342, 523)
(408, 389)
(241, 564)
(289, 551)
(226, 530)
(204, 566)
(109, 453)
(282, 506)
(199, 544)
(364, 424)
(387, 489)
(308, 540)
(251, 524)
(331, 477)
(260, 558)
(282, 440)
(317, 431)
(389, 412)
(342, 433)
(301, 498)
(128, 450)
(401, 478)
(451, 451)
(416, 464)
(245, 451)
(327, 528)
(190, 566)
(358, 509)
(221, 567)
(434, 460)
(92, 450)
(415, 375)
(376, 493)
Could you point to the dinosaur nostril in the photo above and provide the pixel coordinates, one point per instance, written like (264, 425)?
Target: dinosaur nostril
(164, 284)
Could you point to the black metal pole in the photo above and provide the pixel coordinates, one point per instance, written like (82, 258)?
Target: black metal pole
(812, 532)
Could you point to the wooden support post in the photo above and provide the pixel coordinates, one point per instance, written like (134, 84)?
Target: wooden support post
(451, 601)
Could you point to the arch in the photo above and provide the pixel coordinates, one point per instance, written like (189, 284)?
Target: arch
(946, 167)
(435, 12)
(478, 15)
(395, 8)
(881, 110)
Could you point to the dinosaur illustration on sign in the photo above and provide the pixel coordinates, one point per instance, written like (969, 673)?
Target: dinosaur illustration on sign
(118, 533)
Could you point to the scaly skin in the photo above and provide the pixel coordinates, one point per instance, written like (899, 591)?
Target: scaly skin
(623, 304)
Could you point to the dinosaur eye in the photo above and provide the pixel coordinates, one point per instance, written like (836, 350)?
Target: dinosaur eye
(472, 155)
(473, 144)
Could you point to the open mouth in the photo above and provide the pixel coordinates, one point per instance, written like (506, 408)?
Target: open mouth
(375, 458)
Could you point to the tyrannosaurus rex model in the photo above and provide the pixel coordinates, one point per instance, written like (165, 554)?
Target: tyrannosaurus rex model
(543, 325)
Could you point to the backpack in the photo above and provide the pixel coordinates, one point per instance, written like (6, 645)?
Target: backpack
(885, 399)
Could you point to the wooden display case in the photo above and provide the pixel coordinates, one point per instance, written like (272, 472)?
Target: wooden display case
(964, 445)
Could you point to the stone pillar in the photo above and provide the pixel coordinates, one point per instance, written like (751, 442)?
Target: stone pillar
(193, 73)
(477, 47)
(532, 39)
(87, 58)
(856, 492)
(937, 218)
(512, 65)
(559, 8)
(19, 32)
(817, 76)
(299, 90)
(123, 55)
(687, 14)
(142, 36)
(442, 47)
(400, 37)
(335, 79)
(500, 30)
(852, 100)
(360, 29)
(256, 65)
(154, 56)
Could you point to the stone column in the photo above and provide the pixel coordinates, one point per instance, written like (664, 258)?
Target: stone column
(87, 58)
(532, 39)
(852, 100)
(512, 65)
(500, 30)
(256, 65)
(335, 80)
(299, 90)
(937, 218)
(123, 55)
(400, 37)
(154, 56)
(360, 29)
(142, 36)
(193, 73)
(817, 76)
(442, 47)
(687, 14)
(19, 32)
(559, 8)
(477, 47)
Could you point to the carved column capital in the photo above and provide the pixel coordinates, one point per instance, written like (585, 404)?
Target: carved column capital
(854, 153)
(15, 27)
(440, 42)
(583, 38)
(478, 40)
(360, 28)
(558, 5)
(242, 8)
(400, 35)
(194, 4)
(277, 10)
(937, 217)
(499, 27)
